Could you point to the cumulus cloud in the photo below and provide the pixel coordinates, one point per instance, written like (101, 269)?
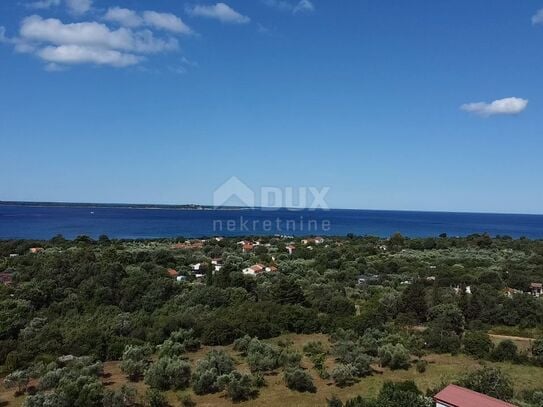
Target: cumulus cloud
(162, 21)
(166, 21)
(507, 106)
(538, 17)
(219, 11)
(303, 6)
(123, 16)
(60, 44)
(122, 38)
(92, 34)
(77, 7)
(76, 54)
(43, 4)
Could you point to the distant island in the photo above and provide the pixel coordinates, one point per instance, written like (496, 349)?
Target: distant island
(119, 205)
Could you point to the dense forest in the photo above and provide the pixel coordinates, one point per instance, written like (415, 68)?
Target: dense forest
(66, 307)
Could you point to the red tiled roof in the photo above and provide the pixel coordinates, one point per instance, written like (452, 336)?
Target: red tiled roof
(172, 272)
(536, 285)
(456, 396)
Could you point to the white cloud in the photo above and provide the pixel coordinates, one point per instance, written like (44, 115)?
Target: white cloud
(507, 106)
(538, 17)
(304, 6)
(79, 6)
(43, 4)
(35, 28)
(76, 54)
(163, 21)
(92, 34)
(166, 21)
(61, 44)
(123, 16)
(219, 11)
(279, 4)
(86, 42)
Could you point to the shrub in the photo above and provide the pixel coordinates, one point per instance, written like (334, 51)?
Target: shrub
(505, 351)
(334, 401)
(394, 356)
(478, 344)
(299, 380)
(344, 375)
(242, 344)
(187, 401)
(18, 379)
(290, 358)
(362, 365)
(208, 369)
(170, 349)
(167, 373)
(313, 348)
(405, 394)
(347, 352)
(187, 338)
(135, 360)
(154, 398)
(421, 365)
(262, 357)
(259, 380)
(239, 387)
(125, 397)
(490, 381)
(537, 351)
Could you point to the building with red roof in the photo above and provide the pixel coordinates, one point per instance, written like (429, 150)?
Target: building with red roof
(456, 396)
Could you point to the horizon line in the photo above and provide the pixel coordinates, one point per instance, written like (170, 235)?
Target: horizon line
(188, 206)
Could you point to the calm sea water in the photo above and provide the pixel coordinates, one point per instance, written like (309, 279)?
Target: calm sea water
(45, 222)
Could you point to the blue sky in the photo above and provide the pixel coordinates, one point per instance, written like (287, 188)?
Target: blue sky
(114, 101)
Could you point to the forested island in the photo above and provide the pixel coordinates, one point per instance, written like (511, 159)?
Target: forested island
(351, 321)
(107, 205)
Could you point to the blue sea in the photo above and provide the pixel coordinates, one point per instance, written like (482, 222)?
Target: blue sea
(44, 222)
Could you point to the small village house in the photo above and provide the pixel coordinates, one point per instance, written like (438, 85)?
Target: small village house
(197, 266)
(259, 268)
(510, 292)
(456, 396)
(36, 250)
(313, 240)
(217, 264)
(536, 289)
(247, 247)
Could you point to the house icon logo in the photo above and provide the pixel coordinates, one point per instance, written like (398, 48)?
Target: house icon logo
(233, 192)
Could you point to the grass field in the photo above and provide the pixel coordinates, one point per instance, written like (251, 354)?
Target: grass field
(440, 368)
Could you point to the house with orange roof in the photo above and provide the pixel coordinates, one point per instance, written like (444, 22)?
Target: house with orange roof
(258, 269)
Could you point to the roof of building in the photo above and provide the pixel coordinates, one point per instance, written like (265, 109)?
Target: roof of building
(456, 396)
(536, 285)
